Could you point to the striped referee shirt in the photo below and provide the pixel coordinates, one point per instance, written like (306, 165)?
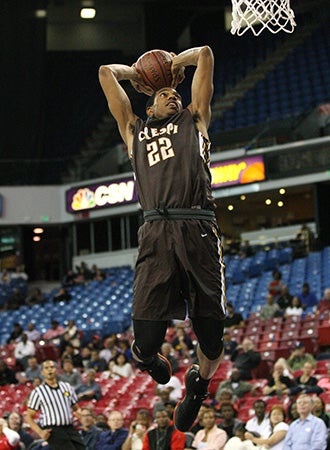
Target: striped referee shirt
(55, 404)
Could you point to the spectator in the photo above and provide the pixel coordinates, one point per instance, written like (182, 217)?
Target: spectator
(16, 334)
(307, 298)
(229, 422)
(119, 367)
(233, 319)
(276, 285)
(238, 387)
(168, 351)
(199, 424)
(324, 382)
(164, 397)
(62, 295)
(210, 437)
(295, 309)
(9, 439)
(36, 297)
(32, 334)
(182, 342)
(324, 305)
(271, 309)
(246, 250)
(15, 422)
(85, 356)
(125, 348)
(170, 407)
(32, 371)
(319, 410)
(238, 441)
(260, 423)
(229, 344)
(307, 432)
(71, 335)
(305, 382)
(95, 362)
(137, 431)
(84, 271)
(70, 374)
(7, 376)
(5, 277)
(89, 431)
(279, 430)
(23, 350)
(292, 411)
(15, 301)
(164, 436)
(299, 357)
(73, 354)
(278, 383)
(174, 387)
(90, 389)
(116, 435)
(54, 333)
(101, 422)
(285, 299)
(96, 343)
(110, 349)
(69, 279)
(245, 358)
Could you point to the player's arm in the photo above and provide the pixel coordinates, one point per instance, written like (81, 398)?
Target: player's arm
(202, 83)
(118, 101)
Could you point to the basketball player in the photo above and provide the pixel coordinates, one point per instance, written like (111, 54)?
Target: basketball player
(180, 267)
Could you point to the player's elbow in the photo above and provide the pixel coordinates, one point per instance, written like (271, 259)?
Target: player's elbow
(104, 71)
(206, 52)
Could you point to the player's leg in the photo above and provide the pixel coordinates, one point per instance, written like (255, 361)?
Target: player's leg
(148, 338)
(209, 333)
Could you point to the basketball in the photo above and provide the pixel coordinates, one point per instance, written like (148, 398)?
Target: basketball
(154, 67)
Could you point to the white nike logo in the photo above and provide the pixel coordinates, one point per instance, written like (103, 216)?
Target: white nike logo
(204, 235)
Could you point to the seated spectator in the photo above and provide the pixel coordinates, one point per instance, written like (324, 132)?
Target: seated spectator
(32, 371)
(70, 374)
(62, 295)
(16, 334)
(36, 297)
(5, 277)
(199, 424)
(307, 298)
(238, 387)
(90, 389)
(292, 411)
(85, 356)
(23, 350)
(182, 342)
(174, 387)
(324, 305)
(245, 250)
(137, 431)
(305, 382)
(295, 309)
(71, 335)
(96, 343)
(238, 441)
(278, 383)
(89, 431)
(168, 351)
(276, 285)
(233, 319)
(9, 439)
(85, 271)
(229, 420)
(54, 333)
(73, 354)
(7, 375)
(324, 382)
(95, 362)
(119, 367)
(279, 430)
(245, 358)
(15, 422)
(164, 397)
(125, 348)
(115, 436)
(15, 301)
(229, 344)
(210, 436)
(101, 422)
(260, 423)
(110, 348)
(285, 299)
(69, 279)
(299, 357)
(32, 334)
(98, 274)
(319, 411)
(165, 435)
(271, 309)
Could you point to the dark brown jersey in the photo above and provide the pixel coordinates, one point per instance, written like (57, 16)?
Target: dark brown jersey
(170, 159)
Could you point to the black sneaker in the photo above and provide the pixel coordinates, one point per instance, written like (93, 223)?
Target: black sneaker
(187, 409)
(159, 368)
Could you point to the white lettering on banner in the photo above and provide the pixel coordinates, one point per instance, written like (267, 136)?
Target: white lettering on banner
(114, 193)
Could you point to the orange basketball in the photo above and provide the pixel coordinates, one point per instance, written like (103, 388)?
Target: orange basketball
(154, 67)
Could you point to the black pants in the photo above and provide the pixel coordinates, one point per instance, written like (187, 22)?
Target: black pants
(65, 438)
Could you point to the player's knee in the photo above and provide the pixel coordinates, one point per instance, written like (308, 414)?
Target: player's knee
(212, 351)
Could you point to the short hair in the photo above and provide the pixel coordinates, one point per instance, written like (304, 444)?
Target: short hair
(150, 100)
(47, 361)
(90, 410)
(259, 400)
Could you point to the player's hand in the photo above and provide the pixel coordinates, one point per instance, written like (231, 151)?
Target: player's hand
(139, 85)
(45, 433)
(177, 72)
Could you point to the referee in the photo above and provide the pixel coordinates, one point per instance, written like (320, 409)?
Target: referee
(56, 401)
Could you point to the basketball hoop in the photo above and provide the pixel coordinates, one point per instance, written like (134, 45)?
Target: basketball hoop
(258, 15)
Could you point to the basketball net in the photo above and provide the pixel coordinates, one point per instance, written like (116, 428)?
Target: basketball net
(258, 15)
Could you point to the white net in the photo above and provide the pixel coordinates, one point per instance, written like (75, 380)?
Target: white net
(258, 15)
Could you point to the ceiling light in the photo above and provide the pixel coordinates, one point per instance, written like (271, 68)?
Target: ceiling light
(87, 13)
(230, 207)
(40, 13)
(38, 230)
(268, 201)
(36, 238)
(242, 197)
(282, 191)
(280, 204)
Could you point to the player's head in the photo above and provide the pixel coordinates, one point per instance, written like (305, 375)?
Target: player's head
(164, 103)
